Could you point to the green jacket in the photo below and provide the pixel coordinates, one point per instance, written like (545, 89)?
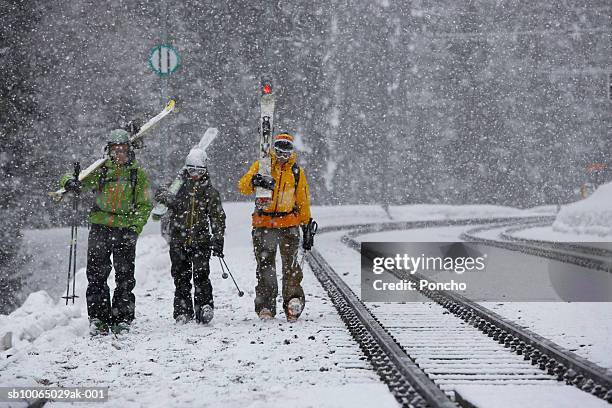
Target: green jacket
(114, 206)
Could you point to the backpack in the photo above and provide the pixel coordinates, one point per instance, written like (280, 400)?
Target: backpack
(295, 169)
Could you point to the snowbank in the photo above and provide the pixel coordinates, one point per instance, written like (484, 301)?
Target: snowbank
(40, 313)
(592, 216)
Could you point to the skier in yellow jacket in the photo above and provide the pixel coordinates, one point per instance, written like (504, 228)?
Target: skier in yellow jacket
(277, 225)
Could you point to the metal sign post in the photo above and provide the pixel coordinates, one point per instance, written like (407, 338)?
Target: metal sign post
(164, 60)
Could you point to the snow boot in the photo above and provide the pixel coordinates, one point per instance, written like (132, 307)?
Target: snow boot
(120, 327)
(205, 314)
(265, 314)
(182, 319)
(97, 327)
(294, 309)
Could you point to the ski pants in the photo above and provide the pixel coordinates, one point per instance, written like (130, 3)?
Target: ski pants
(265, 242)
(121, 244)
(190, 261)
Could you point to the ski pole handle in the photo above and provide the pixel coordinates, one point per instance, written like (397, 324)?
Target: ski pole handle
(313, 227)
(77, 170)
(74, 184)
(309, 230)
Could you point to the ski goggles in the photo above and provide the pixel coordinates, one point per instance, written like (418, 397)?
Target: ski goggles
(196, 171)
(283, 148)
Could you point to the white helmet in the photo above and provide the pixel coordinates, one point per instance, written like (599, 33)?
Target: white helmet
(196, 158)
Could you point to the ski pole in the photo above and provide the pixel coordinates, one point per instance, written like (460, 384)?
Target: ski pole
(72, 255)
(69, 265)
(76, 240)
(309, 233)
(224, 275)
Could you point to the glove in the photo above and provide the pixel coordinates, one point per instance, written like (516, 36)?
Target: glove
(216, 245)
(266, 182)
(161, 195)
(308, 232)
(307, 240)
(73, 185)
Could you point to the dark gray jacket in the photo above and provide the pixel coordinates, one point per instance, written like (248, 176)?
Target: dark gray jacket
(195, 213)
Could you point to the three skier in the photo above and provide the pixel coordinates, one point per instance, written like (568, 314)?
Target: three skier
(120, 211)
(196, 222)
(278, 226)
(196, 228)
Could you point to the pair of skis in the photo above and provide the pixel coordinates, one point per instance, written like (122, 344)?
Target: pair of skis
(263, 196)
(160, 209)
(59, 194)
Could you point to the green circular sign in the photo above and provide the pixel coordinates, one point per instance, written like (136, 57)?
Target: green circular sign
(164, 59)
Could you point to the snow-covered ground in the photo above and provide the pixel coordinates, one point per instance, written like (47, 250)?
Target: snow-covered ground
(235, 361)
(592, 216)
(238, 360)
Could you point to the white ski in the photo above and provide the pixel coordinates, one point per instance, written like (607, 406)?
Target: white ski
(263, 196)
(59, 194)
(160, 209)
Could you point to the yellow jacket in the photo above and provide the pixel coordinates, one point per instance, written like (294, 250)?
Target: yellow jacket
(288, 206)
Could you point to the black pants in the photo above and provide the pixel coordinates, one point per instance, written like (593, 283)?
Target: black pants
(121, 244)
(190, 261)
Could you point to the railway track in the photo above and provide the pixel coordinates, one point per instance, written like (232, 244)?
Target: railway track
(581, 255)
(508, 235)
(424, 351)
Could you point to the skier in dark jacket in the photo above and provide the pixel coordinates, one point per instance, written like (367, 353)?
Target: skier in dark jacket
(196, 226)
(120, 211)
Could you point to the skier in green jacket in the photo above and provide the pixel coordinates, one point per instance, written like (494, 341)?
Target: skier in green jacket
(121, 210)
